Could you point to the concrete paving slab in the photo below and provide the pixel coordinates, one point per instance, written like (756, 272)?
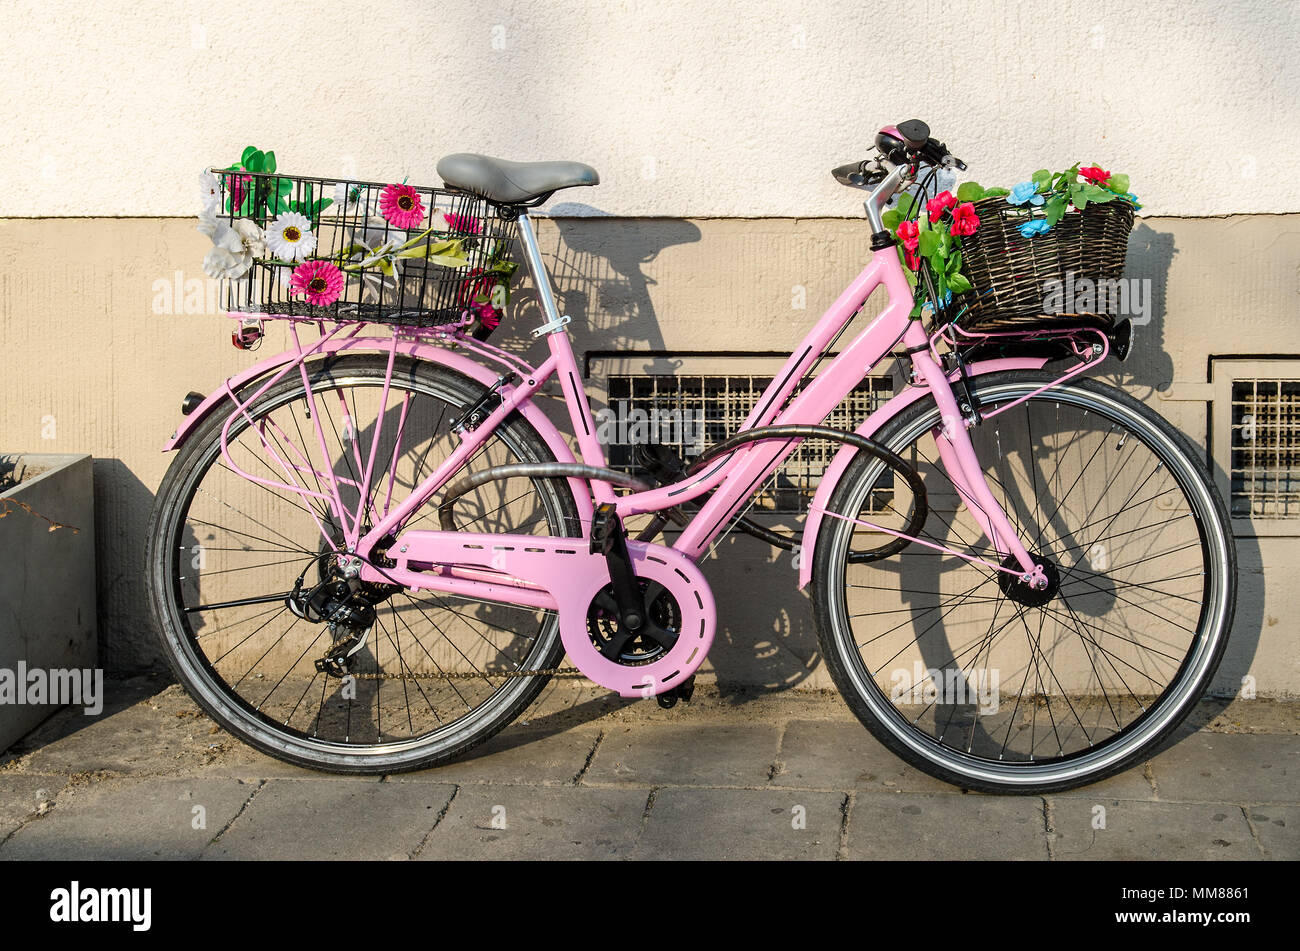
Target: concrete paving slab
(939, 827)
(1140, 831)
(1216, 767)
(333, 819)
(1278, 830)
(741, 824)
(551, 824)
(152, 734)
(821, 755)
(125, 819)
(21, 795)
(695, 755)
(516, 755)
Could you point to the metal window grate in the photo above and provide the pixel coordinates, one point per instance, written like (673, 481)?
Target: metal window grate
(689, 413)
(1265, 467)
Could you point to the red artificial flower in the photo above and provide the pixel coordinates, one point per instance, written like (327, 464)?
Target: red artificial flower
(913, 260)
(910, 232)
(1094, 174)
(964, 219)
(939, 204)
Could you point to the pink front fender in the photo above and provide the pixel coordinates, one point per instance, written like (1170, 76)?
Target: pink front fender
(870, 426)
(432, 353)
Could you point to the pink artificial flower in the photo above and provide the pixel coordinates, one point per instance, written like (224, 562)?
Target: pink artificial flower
(401, 205)
(964, 219)
(1094, 174)
(236, 185)
(463, 223)
(488, 315)
(910, 232)
(939, 204)
(320, 281)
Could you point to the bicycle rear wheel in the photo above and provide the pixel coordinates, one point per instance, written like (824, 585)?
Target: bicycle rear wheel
(434, 675)
(984, 683)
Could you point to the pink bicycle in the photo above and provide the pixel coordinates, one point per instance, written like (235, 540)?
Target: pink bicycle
(373, 550)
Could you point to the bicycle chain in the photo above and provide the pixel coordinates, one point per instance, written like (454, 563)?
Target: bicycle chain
(466, 675)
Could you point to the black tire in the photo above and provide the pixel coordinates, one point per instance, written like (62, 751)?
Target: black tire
(198, 460)
(948, 752)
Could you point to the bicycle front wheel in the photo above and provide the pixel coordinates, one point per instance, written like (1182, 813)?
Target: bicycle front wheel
(433, 675)
(985, 683)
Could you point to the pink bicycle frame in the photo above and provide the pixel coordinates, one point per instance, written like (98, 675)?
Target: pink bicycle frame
(732, 480)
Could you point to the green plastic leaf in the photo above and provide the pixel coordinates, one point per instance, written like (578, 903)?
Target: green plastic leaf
(970, 191)
(268, 162)
(997, 192)
(1118, 184)
(1055, 209)
(945, 243)
(283, 186)
(906, 205)
(891, 219)
(958, 283)
(1042, 178)
(929, 244)
(1078, 196)
(248, 153)
(1098, 195)
(254, 162)
(446, 261)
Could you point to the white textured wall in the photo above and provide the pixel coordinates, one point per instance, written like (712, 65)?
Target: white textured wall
(686, 108)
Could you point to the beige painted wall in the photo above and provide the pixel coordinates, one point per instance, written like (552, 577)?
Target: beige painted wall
(100, 351)
(686, 108)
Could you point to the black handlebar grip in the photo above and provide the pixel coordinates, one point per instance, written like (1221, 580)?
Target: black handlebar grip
(851, 174)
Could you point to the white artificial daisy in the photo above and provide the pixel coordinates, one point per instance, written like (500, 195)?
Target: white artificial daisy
(290, 237)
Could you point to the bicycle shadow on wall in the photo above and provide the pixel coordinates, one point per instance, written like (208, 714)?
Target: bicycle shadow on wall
(599, 273)
(1149, 368)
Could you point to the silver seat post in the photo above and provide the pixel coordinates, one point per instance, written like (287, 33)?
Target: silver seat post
(541, 280)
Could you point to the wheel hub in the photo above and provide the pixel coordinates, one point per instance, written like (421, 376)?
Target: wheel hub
(1021, 590)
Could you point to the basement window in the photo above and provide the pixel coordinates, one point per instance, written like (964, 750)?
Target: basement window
(688, 412)
(1257, 444)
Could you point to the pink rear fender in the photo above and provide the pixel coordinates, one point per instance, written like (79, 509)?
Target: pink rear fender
(870, 426)
(431, 353)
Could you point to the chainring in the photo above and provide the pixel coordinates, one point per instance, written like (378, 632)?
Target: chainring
(662, 627)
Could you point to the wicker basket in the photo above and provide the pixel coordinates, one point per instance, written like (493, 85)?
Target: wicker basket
(421, 291)
(1010, 273)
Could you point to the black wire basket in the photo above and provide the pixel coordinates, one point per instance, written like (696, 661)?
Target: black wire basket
(339, 250)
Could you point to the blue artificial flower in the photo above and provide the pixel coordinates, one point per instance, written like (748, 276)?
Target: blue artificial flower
(1037, 226)
(1025, 192)
(1133, 200)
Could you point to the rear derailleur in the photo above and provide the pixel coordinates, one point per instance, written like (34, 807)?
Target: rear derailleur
(344, 602)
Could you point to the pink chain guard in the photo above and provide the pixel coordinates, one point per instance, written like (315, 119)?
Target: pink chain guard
(562, 574)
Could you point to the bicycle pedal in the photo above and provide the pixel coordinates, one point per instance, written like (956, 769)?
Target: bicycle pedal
(683, 691)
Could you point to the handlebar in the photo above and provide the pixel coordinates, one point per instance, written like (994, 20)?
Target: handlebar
(906, 145)
(901, 150)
